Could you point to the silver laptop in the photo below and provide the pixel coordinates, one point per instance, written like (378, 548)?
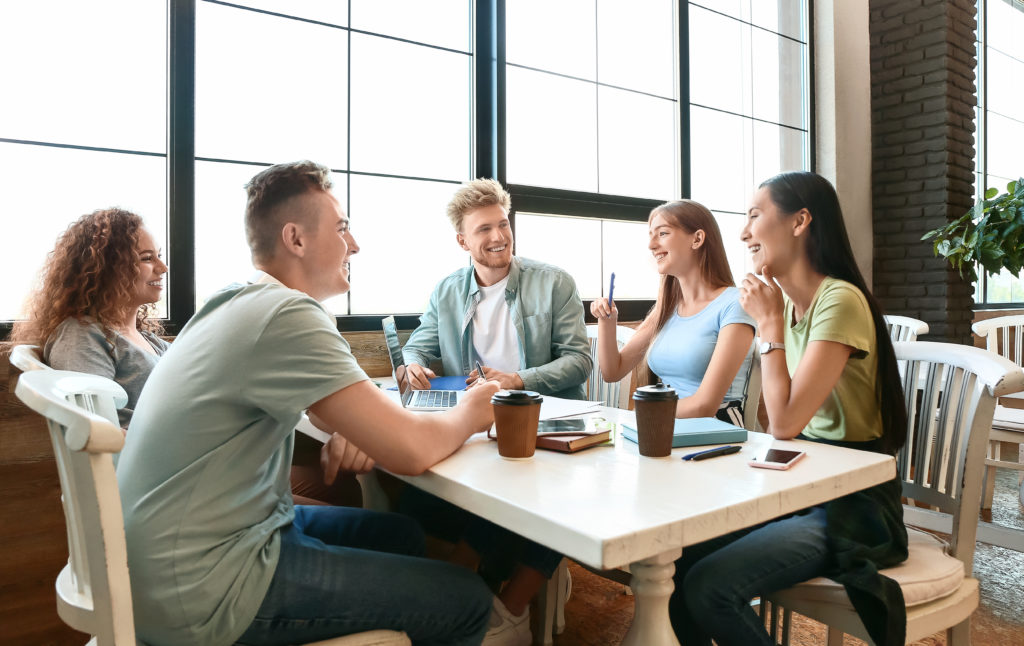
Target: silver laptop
(413, 399)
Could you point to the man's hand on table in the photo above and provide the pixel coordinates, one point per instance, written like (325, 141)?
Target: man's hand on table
(507, 380)
(419, 376)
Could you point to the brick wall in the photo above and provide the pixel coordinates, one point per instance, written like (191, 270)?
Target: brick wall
(922, 102)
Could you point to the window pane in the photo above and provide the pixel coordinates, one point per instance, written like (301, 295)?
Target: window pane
(721, 174)
(725, 83)
(551, 131)
(439, 22)
(636, 45)
(785, 17)
(1004, 94)
(543, 238)
(410, 109)
(734, 8)
(1005, 24)
(256, 102)
(778, 79)
(624, 251)
(776, 149)
(637, 139)
(1005, 140)
(552, 36)
(731, 225)
(222, 254)
(406, 243)
(76, 182)
(334, 12)
(79, 76)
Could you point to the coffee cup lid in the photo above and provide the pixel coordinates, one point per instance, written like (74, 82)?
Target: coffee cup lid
(516, 398)
(655, 392)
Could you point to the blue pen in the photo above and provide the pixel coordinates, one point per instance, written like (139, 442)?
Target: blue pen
(711, 453)
(611, 288)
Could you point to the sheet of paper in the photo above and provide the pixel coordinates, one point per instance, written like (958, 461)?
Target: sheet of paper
(556, 407)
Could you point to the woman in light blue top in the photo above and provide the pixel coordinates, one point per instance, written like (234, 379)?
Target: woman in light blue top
(697, 338)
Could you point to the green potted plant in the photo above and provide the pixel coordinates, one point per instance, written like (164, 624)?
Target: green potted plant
(990, 234)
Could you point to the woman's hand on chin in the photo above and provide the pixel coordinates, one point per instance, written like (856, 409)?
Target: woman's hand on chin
(762, 299)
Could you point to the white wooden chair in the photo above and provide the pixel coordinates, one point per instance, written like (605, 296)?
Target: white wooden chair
(904, 328)
(93, 590)
(27, 358)
(950, 393)
(614, 394)
(1004, 335)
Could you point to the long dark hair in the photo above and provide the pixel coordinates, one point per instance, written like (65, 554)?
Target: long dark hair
(691, 217)
(829, 252)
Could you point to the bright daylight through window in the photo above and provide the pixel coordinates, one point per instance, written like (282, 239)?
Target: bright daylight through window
(591, 111)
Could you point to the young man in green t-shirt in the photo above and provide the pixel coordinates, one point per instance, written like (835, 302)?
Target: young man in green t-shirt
(217, 551)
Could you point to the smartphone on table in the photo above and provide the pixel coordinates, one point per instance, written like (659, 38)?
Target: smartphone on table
(780, 459)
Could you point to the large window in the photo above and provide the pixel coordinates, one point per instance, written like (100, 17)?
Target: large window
(1000, 123)
(591, 111)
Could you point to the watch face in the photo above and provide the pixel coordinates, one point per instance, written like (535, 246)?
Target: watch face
(765, 347)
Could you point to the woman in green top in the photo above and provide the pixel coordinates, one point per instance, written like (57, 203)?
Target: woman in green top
(829, 375)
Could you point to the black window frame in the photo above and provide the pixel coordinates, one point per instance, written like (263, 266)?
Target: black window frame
(488, 151)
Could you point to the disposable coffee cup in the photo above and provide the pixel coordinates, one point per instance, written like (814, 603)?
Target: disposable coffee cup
(655, 419)
(516, 414)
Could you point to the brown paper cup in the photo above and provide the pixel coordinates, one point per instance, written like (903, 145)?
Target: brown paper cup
(655, 422)
(516, 428)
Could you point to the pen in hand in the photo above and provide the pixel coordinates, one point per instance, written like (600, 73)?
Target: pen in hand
(480, 373)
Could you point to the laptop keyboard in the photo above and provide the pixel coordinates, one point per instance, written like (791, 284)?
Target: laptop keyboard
(434, 399)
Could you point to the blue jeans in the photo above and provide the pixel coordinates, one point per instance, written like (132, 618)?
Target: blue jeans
(344, 570)
(499, 549)
(715, 580)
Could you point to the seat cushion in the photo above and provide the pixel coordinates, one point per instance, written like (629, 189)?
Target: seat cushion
(927, 574)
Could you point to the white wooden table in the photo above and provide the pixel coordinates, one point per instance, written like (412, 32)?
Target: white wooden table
(608, 506)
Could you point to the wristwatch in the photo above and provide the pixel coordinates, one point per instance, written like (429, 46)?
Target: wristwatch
(767, 347)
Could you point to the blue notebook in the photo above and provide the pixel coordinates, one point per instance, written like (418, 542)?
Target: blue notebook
(697, 431)
(456, 382)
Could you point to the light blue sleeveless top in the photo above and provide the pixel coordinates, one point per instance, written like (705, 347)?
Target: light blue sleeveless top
(682, 350)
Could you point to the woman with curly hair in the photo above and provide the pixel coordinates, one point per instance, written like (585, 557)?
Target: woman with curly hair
(90, 311)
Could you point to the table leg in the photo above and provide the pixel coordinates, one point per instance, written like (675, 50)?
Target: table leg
(652, 586)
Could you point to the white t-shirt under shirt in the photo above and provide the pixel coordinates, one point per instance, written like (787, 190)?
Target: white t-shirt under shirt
(682, 350)
(494, 335)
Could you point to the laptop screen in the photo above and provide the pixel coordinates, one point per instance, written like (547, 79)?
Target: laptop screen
(397, 361)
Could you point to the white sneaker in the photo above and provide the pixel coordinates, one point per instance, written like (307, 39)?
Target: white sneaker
(506, 629)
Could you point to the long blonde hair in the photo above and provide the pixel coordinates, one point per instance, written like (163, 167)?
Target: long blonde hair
(691, 217)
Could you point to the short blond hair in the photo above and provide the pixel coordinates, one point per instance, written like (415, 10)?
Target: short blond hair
(474, 195)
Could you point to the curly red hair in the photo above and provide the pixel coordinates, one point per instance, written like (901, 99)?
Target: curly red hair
(91, 272)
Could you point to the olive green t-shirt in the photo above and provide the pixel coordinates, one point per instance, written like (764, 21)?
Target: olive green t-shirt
(840, 313)
(204, 475)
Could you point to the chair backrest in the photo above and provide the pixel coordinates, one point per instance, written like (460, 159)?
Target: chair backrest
(93, 591)
(752, 392)
(27, 358)
(1003, 335)
(610, 394)
(950, 392)
(904, 328)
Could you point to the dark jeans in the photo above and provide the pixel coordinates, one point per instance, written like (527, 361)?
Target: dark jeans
(715, 580)
(500, 550)
(344, 570)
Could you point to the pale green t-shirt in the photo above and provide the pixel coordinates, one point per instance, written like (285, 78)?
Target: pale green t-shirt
(204, 475)
(839, 312)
